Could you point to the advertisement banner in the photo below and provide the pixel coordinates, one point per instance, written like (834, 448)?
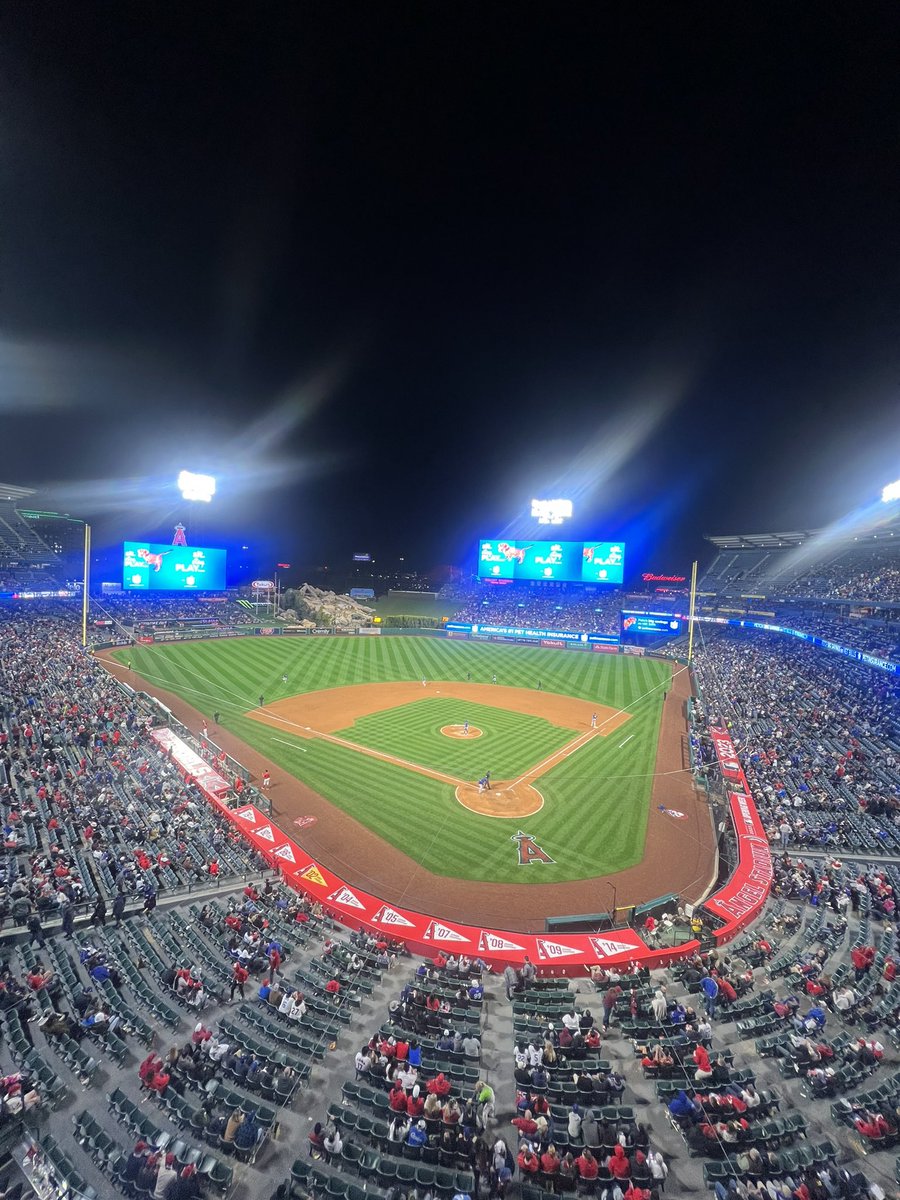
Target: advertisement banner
(743, 896)
(745, 892)
(727, 755)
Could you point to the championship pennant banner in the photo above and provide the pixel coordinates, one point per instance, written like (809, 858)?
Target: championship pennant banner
(423, 934)
(744, 895)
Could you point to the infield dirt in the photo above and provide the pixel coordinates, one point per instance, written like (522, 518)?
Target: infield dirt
(679, 853)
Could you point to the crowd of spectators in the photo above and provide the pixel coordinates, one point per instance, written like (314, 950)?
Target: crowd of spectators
(92, 810)
(816, 733)
(861, 572)
(128, 609)
(542, 608)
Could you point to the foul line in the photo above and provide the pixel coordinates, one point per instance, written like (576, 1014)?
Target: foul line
(556, 757)
(391, 758)
(293, 745)
(628, 739)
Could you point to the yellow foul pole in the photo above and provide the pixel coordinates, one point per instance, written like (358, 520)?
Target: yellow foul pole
(87, 583)
(691, 611)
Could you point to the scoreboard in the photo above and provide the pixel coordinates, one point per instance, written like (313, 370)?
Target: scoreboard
(157, 567)
(567, 562)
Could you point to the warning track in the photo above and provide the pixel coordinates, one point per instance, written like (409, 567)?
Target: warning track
(679, 856)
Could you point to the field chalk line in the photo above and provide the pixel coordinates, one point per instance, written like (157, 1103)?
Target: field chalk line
(627, 740)
(292, 745)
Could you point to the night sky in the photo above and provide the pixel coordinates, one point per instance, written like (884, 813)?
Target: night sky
(390, 269)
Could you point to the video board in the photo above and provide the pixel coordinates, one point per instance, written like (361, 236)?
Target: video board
(567, 562)
(650, 624)
(156, 567)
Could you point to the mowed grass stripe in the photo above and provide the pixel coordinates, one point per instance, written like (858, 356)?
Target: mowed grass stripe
(509, 744)
(593, 822)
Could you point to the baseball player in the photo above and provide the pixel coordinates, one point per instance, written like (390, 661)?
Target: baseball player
(465, 728)
(493, 679)
(593, 720)
(284, 679)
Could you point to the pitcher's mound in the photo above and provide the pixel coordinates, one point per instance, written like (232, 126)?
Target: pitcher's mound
(458, 731)
(503, 799)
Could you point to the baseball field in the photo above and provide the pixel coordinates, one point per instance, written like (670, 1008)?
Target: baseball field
(396, 732)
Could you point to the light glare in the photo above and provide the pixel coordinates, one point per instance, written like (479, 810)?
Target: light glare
(891, 492)
(196, 487)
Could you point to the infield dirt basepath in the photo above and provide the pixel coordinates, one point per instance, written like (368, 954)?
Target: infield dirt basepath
(679, 855)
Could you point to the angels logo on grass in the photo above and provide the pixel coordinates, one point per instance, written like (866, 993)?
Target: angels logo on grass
(606, 947)
(266, 833)
(344, 896)
(529, 850)
(673, 812)
(246, 814)
(548, 949)
(493, 942)
(389, 916)
(438, 932)
(286, 853)
(314, 875)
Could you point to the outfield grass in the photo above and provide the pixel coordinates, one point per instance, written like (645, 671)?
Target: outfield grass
(596, 802)
(412, 605)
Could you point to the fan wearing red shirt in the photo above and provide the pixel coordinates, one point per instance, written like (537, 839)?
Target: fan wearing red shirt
(239, 976)
(617, 1164)
(587, 1165)
(528, 1161)
(526, 1125)
(550, 1161)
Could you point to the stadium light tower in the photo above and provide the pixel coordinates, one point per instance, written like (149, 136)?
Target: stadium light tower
(196, 487)
(890, 492)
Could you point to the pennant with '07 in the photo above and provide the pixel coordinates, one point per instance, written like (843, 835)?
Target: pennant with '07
(438, 932)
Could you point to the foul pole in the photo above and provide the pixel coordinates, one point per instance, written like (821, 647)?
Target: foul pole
(87, 583)
(691, 612)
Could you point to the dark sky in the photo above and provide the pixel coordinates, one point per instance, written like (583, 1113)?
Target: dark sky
(391, 269)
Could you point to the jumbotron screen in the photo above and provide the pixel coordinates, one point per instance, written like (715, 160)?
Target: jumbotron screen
(568, 562)
(155, 567)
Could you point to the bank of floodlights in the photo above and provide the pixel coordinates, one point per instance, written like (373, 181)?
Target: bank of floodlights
(196, 487)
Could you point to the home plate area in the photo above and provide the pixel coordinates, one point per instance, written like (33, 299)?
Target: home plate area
(506, 799)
